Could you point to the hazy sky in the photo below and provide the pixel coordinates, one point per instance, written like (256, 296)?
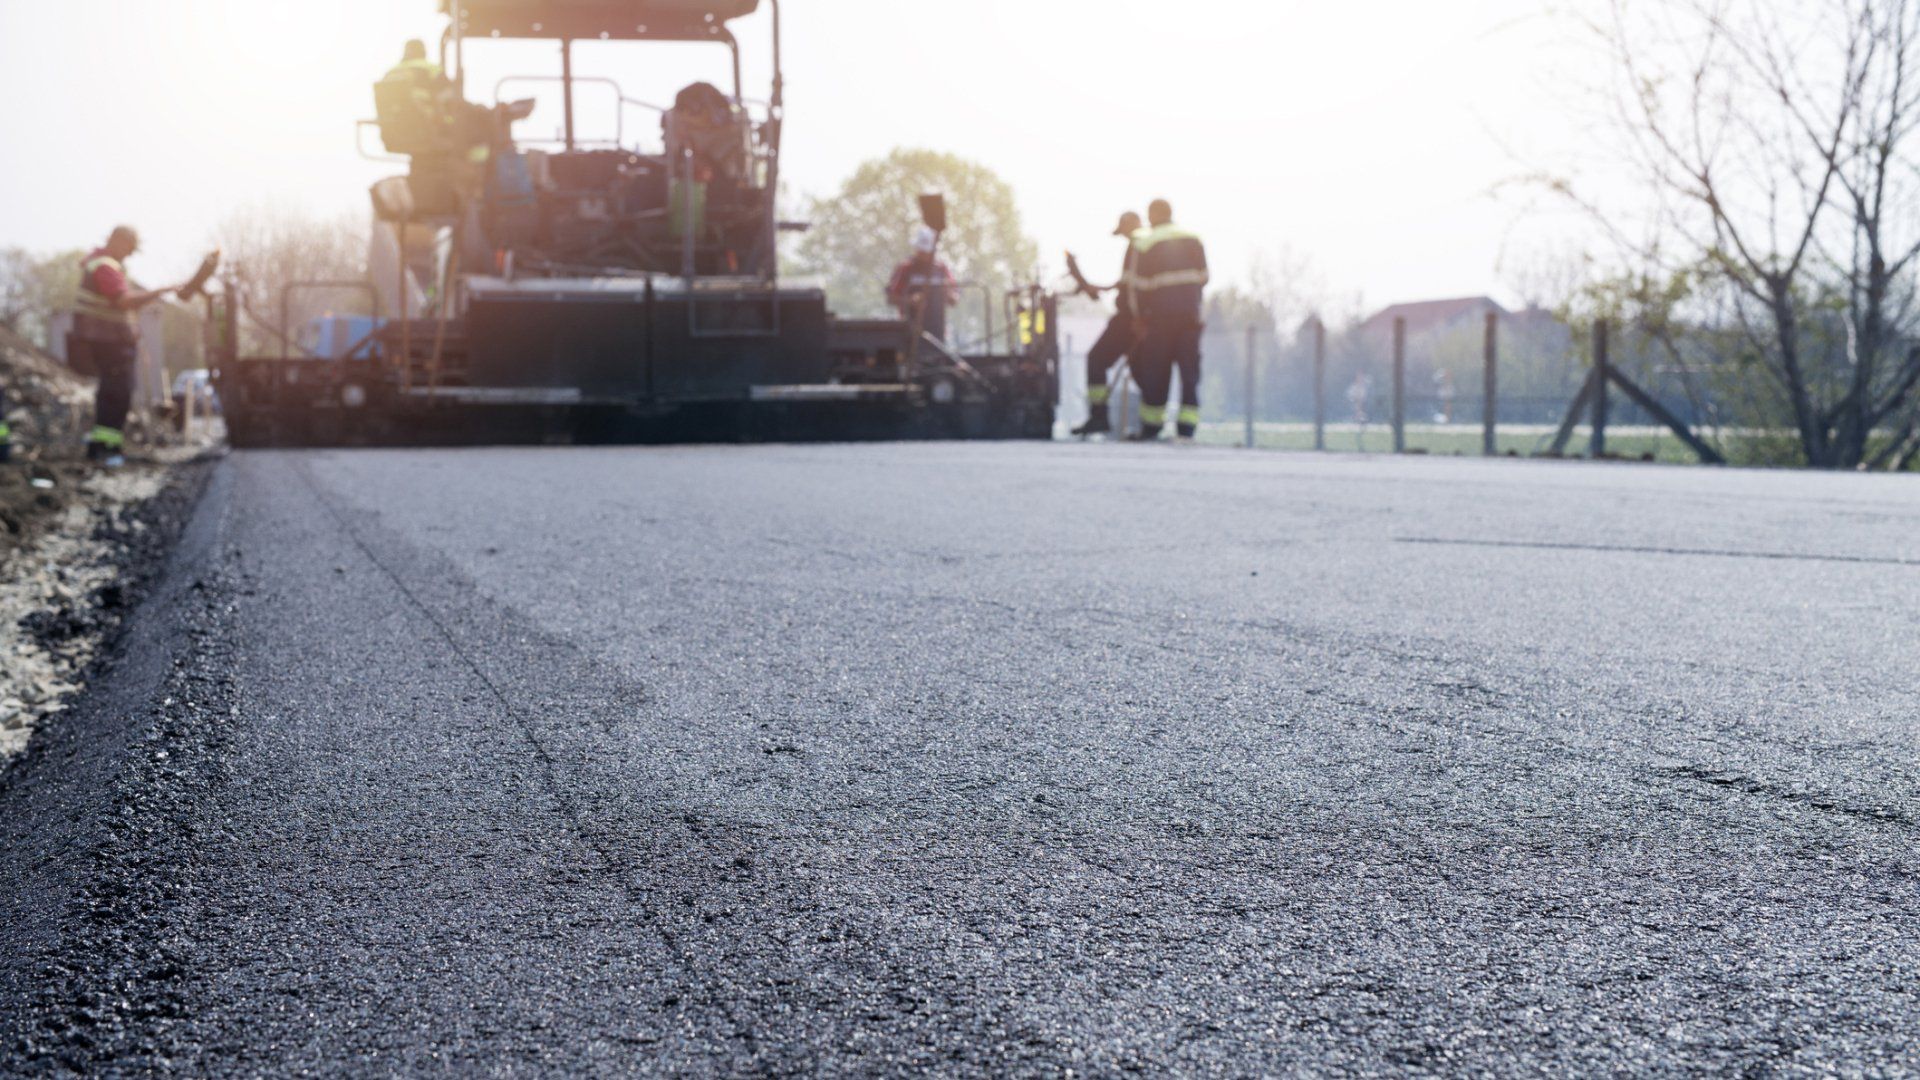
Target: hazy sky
(1368, 137)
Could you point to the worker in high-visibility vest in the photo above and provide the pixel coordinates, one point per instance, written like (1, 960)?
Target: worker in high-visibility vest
(1170, 281)
(1117, 339)
(104, 343)
(414, 67)
(416, 105)
(450, 139)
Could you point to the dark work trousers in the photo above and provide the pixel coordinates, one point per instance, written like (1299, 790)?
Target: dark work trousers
(933, 320)
(113, 364)
(1115, 342)
(1168, 345)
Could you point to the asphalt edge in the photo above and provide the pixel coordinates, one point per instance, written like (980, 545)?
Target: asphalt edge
(93, 813)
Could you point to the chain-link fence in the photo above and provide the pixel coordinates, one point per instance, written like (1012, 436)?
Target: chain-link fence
(1488, 383)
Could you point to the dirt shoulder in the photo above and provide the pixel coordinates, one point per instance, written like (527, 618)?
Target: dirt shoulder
(86, 544)
(73, 538)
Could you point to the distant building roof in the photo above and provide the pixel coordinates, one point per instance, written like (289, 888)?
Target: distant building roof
(1430, 315)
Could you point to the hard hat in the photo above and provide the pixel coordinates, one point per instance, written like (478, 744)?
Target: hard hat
(1129, 224)
(925, 240)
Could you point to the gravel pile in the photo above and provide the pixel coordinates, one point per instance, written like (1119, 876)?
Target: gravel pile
(49, 407)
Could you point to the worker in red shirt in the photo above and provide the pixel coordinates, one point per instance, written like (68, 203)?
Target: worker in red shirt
(103, 342)
(923, 285)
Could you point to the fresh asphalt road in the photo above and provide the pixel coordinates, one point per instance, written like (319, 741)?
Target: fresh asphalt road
(1019, 758)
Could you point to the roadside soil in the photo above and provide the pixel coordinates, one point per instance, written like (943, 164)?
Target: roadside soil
(75, 540)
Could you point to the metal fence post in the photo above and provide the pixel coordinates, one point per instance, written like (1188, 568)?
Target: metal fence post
(1490, 412)
(1319, 384)
(1600, 364)
(1399, 385)
(1250, 384)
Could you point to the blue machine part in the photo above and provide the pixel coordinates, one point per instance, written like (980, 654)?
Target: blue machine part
(337, 337)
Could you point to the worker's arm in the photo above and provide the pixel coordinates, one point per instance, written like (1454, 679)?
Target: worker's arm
(135, 299)
(1084, 287)
(110, 281)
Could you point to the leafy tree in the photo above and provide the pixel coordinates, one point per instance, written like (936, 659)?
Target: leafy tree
(862, 231)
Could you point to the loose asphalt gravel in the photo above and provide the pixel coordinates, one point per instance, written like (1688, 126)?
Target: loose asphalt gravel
(986, 759)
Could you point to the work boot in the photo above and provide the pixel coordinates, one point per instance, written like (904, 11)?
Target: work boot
(1096, 424)
(1146, 434)
(1187, 423)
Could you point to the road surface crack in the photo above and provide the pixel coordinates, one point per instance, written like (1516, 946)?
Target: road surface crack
(1750, 785)
(1635, 549)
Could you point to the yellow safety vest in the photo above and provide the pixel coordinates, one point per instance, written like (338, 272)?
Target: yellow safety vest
(93, 305)
(427, 79)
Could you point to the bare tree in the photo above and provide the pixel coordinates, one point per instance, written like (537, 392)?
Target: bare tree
(1546, 277)
(1777, 150)
(275, 250)
(1290, 285)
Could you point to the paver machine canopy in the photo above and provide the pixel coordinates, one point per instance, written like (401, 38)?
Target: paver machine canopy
(681, 20)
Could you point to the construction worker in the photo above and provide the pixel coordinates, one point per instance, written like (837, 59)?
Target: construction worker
(415, 65)
(1119, 336)
(923, 287)
(414, 103)
(450, 139)
(103, 342)
(1170, 281)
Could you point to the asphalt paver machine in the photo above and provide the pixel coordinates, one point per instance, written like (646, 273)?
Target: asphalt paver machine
(601, 291)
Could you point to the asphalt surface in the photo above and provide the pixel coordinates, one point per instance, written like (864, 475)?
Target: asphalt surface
(987, 759)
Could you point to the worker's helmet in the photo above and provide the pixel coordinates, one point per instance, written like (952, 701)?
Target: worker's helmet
(925, 240)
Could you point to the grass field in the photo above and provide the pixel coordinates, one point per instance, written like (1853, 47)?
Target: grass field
(1454, 439)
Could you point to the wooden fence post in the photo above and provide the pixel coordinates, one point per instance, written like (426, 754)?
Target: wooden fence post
(1400, 386)
(1600, 363)
(1250, 385)
(1490, 412)
(1319, 384)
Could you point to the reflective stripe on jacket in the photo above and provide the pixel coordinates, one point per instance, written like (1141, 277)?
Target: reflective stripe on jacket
(1170, 273)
